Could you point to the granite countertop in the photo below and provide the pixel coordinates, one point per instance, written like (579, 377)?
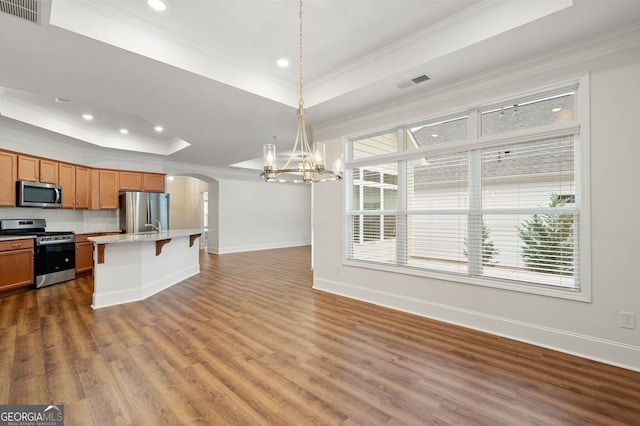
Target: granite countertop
(145, 236)
(16, 237)
(27, 236)
(84, 231)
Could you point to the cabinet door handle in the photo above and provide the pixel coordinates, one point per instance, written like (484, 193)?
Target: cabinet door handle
(16, 245)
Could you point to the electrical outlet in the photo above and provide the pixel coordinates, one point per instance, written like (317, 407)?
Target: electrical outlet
(338, 269)
(628, 320)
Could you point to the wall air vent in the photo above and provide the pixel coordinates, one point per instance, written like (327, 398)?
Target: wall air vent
(412, 82)
(28, 10)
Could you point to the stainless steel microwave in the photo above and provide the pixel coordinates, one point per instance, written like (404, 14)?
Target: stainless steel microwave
(36, 194)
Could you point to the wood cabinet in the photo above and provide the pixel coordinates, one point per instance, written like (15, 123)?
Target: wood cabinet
(84, 253)
(48, 171)
(153, 182)
(104, 189)
(67, 178)
(76, 186)
(16, 264)
(28, 168)
(130, 181)
(138, 181)
(83, 187)
(8, 177)
(37, 169)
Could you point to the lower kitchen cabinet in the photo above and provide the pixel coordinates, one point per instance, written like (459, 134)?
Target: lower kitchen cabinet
(16, 264)
(84, 253)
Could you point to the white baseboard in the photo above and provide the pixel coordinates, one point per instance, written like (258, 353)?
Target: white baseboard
(594, 348)
(256, 247)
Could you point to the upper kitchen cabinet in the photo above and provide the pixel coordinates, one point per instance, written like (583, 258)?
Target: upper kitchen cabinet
(37, 169)
(153, 182)
(76, 186)
(139, 181)
(104, 189)
(83, 187)
(28, 168)
(67, 178)
(8, 176)
(48, 171)
(130, 181)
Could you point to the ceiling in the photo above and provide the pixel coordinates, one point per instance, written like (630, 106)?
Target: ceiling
(205, 70)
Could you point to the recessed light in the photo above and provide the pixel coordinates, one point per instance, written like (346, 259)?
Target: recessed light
(434, 135)
(124, 131)
(158, 129)
(87, 117)
(159, 5)
(556, 109)
(283, 62)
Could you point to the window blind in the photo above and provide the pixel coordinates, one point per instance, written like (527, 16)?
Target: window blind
(501, 210)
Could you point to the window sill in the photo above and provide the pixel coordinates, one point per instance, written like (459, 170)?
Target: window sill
(521, 287)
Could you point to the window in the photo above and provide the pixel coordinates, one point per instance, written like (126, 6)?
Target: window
(499, 205)
(374, 145)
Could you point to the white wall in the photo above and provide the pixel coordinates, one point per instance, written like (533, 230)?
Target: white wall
(186, 206)
(246, 213)
(589, 329)
(259, 215)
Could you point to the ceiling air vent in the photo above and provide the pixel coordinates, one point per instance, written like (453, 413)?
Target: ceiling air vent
(28, 10)
(416, 80)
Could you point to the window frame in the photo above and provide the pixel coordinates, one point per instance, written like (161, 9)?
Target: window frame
(578, 127)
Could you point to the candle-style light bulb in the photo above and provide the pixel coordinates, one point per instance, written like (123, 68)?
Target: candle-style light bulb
(269, 154)
(338, 163)
(318, 155)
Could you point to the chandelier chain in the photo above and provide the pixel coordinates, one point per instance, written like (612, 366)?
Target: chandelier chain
(300, 101)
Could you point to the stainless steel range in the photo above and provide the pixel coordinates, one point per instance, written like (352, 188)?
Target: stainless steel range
(54, 254)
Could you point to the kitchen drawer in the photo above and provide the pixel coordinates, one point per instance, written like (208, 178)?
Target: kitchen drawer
(16, 244)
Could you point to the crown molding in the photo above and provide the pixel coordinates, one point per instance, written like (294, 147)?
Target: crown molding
(381, 116)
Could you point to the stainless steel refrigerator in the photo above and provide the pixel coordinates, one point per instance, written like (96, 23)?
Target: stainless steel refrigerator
(144, 212)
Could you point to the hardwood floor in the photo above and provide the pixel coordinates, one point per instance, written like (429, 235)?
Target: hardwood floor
(248, 341)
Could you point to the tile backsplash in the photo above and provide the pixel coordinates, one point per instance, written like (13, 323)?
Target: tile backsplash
(78, 221)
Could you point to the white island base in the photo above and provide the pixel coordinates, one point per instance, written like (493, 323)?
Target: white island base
(131, 267)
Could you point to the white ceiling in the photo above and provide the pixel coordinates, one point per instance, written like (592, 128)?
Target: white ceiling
(205, 69)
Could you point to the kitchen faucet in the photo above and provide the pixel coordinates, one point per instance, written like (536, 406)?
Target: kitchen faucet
(155, 227)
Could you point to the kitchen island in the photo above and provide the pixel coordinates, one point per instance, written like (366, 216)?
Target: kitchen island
(131, 267)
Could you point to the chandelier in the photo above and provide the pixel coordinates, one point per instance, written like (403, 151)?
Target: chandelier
(305, 165)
